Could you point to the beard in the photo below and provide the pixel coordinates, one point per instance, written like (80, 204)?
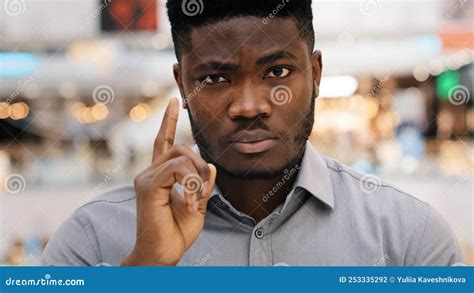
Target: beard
(303, 132)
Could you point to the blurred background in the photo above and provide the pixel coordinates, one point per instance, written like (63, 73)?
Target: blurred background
(83, 85)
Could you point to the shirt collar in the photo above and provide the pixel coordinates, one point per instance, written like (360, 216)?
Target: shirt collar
(313, 176)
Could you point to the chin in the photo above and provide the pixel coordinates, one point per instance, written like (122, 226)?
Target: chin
(265, 165)
(251, 173)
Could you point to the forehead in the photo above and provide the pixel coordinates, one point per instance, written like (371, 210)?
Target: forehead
(238, 35)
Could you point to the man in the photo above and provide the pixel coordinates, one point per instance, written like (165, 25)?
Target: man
(255, 192)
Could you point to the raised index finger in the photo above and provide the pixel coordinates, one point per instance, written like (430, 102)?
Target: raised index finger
(165, 138)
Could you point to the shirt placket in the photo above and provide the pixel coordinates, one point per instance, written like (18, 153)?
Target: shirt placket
(260, 246)
(260, 250)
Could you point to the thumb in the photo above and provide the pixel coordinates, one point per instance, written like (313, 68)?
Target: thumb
(207, 191)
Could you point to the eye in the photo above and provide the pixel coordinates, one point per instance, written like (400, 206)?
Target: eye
(278, 72)
(213, 78)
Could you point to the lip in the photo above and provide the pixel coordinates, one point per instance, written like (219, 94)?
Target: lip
(253, 142)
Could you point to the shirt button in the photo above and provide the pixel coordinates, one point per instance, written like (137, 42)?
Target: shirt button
(259, 233)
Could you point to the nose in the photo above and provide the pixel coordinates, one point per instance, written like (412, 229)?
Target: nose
(249, 103)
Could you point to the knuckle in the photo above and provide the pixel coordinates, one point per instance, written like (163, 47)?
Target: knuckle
(204, 170)
(180, 147)
(156, 142)
(140, 188)
(180, 161)
(136, 181)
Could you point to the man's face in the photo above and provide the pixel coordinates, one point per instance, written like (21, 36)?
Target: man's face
(249, 90)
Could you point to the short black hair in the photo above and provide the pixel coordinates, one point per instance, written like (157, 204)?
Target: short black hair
(184, 15)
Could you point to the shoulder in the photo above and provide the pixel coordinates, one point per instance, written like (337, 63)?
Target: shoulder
(369, 189)
(115, 197)
(93, 229)
(407, 224)
(103, 207)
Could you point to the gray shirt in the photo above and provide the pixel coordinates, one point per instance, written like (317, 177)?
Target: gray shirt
(332, 216)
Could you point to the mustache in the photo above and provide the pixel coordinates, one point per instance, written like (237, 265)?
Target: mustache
(257, 129)
(249, 125)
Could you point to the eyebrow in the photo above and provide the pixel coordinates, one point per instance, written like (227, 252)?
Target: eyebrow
(216, 65)
(275, 56)
(223, 66)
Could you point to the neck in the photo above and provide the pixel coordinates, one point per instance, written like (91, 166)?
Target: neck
(257, 197)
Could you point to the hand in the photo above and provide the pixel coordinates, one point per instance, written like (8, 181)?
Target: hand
(168, 223)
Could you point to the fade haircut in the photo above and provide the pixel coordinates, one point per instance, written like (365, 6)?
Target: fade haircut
(184, 15)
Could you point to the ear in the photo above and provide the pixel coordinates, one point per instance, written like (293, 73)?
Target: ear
(317, 66)
(179, 81)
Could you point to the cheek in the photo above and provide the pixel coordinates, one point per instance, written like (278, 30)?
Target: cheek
(199, 113)
(299, 105)
(205, 118)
